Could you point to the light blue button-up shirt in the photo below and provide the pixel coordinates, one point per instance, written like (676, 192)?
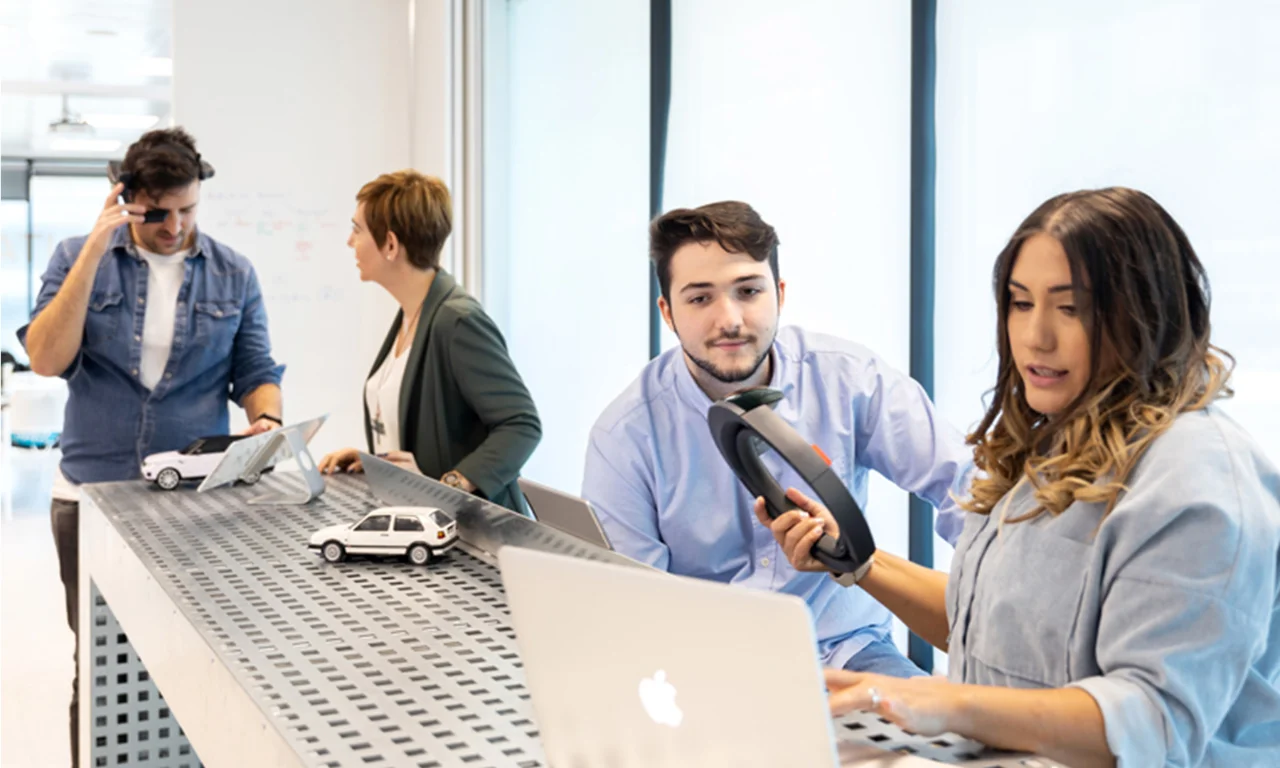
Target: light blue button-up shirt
(666, 497)
(1166, 611)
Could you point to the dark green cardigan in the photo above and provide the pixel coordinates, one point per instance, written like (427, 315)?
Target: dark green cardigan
(463, 406)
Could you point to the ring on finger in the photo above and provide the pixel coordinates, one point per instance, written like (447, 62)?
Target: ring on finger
(875, 697)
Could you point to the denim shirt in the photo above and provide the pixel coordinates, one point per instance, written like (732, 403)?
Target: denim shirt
(1166, 611)
(221, 350)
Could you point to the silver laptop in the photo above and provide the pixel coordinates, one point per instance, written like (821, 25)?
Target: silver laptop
(630, 666)
(564, 512)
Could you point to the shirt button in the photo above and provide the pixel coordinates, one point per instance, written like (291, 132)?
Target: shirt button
(135, 371)
(168, 375)
(764, 562)
(137, 338)
(141, 300)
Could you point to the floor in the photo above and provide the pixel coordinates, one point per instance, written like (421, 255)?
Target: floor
(35, 643)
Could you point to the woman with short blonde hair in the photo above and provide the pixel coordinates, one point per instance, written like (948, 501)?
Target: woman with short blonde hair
(444, 397)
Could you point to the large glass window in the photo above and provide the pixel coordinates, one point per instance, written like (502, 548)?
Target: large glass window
(1180, 100)
(60, 207)
(15, 283)
(566, 199)
(777, 108)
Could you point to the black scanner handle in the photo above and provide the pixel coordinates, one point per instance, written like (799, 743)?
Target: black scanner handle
(744, 423)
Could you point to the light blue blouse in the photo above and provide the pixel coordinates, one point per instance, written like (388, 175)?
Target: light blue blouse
(1167, 612)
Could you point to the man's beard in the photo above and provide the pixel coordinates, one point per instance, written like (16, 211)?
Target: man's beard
(154, 245)
(731, 376)
(173, 246)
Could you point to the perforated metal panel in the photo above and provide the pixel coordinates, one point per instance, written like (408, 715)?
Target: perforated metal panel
(363, 663)
(132, 725)
(863, 728)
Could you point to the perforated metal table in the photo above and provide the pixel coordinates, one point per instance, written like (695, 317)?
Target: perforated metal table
(268, 656)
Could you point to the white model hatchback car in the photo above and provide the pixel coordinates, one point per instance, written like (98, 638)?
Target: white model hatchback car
(194, 462)
(419, 534)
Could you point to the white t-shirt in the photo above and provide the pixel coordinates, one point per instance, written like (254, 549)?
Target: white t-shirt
(382, 395)
(164, 282)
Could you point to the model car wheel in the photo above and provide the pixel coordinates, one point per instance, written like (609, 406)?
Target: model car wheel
(251, 478)
(333, 552)
(419, 554)
(168, 478)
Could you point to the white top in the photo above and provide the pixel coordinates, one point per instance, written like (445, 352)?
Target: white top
(164, 281)
(382, 395)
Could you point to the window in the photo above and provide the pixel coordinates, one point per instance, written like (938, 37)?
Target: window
(15, 281)
(779, 108)
(408, 523)
(374, 523)
(566, 191)
(1176, 99)
(217, 443)
(1188, 91)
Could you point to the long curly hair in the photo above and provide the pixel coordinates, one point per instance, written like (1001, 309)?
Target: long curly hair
(1147, 299)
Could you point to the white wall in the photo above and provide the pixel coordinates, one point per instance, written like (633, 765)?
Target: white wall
(297, 105)
(566, 266)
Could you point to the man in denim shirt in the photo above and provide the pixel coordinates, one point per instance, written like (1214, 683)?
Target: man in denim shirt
(154, 326)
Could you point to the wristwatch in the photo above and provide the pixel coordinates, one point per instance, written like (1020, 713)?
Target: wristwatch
(269, 417)
(452, 479)
(853, 577)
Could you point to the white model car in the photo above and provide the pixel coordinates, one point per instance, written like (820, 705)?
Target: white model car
(419, 534)
(194, 462)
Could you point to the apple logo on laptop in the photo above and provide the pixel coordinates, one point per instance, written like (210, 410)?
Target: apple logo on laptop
(659, 700)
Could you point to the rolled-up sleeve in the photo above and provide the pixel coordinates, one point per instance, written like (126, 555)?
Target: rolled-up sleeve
(1181, 626)
(251, 362)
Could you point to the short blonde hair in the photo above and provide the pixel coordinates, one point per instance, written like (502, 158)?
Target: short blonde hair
(414, 206)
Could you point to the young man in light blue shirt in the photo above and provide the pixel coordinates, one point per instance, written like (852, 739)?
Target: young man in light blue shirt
(664, 494)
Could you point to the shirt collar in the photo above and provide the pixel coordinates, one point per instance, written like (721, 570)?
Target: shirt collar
(122, 239)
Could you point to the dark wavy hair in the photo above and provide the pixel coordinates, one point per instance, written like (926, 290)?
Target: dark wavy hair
(1146, 300)
(161, 161)
(735, 226)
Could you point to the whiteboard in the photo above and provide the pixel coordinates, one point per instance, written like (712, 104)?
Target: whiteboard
(295, 118)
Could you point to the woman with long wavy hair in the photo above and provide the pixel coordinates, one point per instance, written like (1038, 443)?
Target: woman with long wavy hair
(1114, 596)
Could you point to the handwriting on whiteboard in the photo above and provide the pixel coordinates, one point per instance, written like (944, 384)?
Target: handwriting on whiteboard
(298, 249)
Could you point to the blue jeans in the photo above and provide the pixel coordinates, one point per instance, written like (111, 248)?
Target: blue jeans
(882, 657)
